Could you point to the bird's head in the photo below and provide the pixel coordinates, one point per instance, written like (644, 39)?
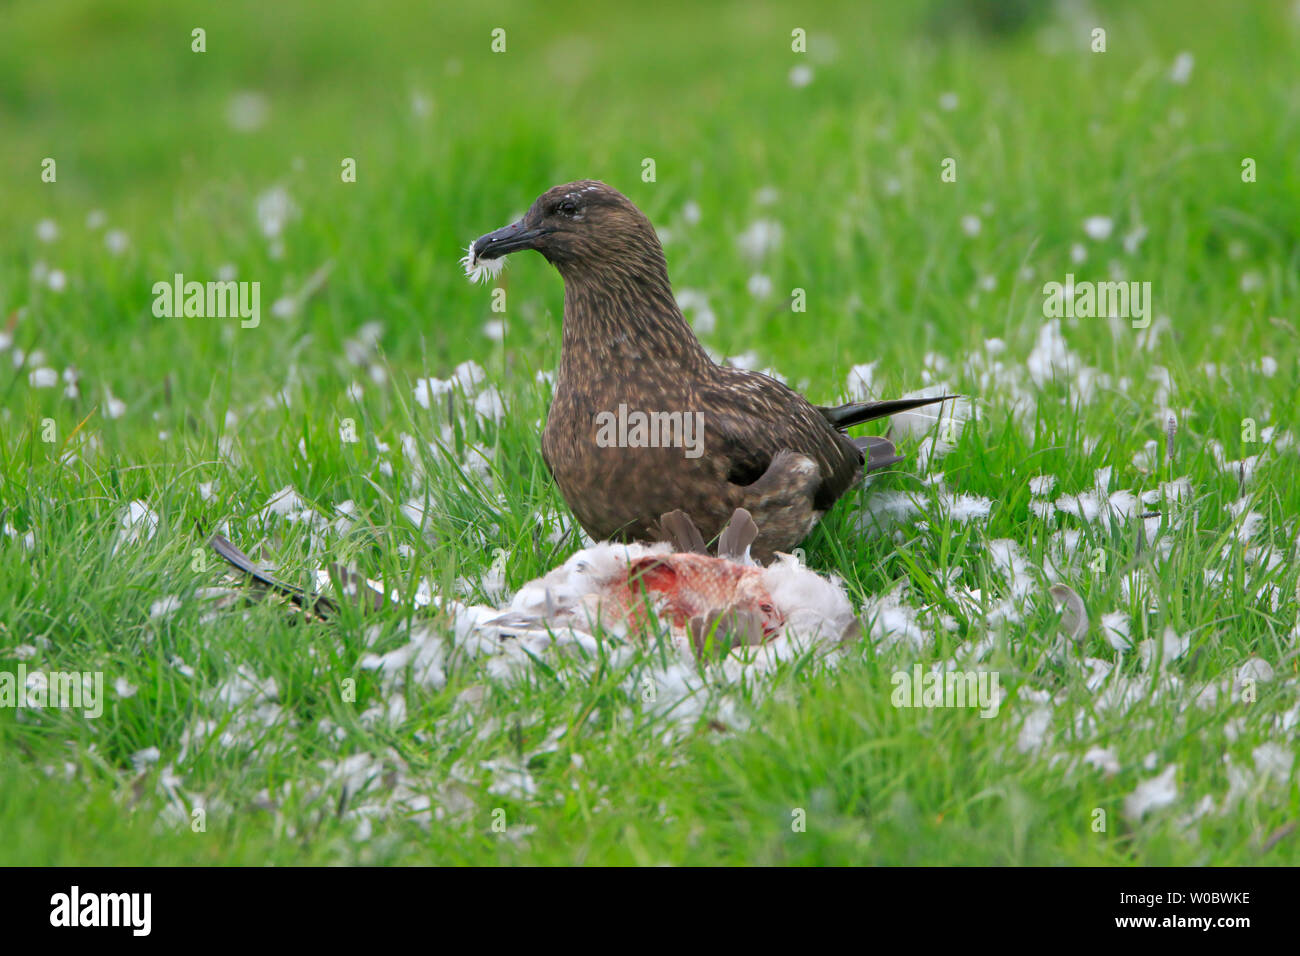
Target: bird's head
(578, 226)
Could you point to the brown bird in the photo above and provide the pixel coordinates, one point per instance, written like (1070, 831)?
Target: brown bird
(643, 422)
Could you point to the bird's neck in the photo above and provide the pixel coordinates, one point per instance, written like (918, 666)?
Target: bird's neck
(618, 318)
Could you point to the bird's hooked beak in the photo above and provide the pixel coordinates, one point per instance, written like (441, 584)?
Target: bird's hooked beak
(505, 240)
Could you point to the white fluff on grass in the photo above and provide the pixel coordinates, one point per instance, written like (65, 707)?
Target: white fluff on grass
(489, 405)
(1041, 485)
(138, 524)
(811, 604)
(1152, 794)
(113, 407)
(885, 509)
(164, 608)
(469, 375)
(422, 659)
(284, 502)
(428, 391)
(892, 622)
(1091, 506)
(942, 419)
(1181, 71)
(1034, 729)
(1172, 647)
(964, 508)
(1098, 228)
(1103, 759)
(1115, 628)
(481, 270)
(1274, 761)
(861, 381)
(763, 236)
(43, 378)
(1010, 562)
(1050, 355)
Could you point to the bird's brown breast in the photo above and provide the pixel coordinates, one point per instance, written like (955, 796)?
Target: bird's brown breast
(619, 480)
(624, 451)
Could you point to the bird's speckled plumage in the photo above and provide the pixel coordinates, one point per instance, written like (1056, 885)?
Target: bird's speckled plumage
(625, 342)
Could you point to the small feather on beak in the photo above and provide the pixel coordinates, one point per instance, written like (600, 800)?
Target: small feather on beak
(481, 270)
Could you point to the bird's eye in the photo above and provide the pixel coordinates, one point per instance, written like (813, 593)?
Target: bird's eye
(567, 206)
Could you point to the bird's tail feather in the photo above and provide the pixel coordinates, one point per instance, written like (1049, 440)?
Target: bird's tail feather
(877, 452)
(855, 413)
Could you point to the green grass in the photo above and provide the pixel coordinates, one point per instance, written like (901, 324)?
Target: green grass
(217, 419)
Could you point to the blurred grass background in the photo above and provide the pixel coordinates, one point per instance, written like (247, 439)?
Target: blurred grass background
(1045, 134)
